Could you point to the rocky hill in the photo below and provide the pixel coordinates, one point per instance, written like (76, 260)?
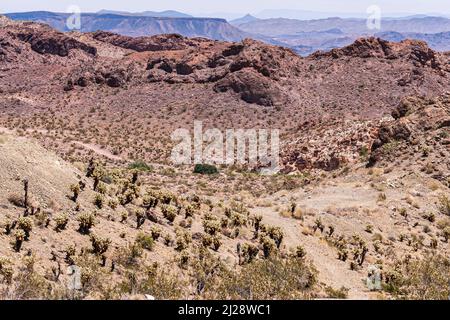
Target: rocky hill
(85, 127)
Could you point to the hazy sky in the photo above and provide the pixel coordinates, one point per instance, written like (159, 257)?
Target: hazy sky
(231, 6)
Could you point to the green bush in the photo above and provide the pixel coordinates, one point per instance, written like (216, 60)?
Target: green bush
(145, 241)
(205, 169)
(140, 166)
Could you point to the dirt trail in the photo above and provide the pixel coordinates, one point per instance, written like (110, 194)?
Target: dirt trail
(98, 150)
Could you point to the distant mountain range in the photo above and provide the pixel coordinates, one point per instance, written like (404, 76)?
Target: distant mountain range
(277, 27)
(162, 14)
(304, 36)
(134, 25)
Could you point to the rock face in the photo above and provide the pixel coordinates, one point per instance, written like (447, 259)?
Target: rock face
(252, 87)
(52, 42)
(421, 129)
(416, 51)
(140, 44)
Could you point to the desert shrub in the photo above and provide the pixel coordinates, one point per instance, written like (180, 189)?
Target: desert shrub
(61, 221)
(140, 166)
(446, 233)
(6, 271)
(268, 279)
(164, 284)
(70, 252)
(129, 256)
(169, 212)
(184, 259)
(318, 224)
(341, 293)
(205, 169)
(16, 200)
(29, 284)
(42, 218)
(300, 252)
(86, 222)
(25, 224)
(145, 241)
(419, 279)
(99, 245)
(444, 205)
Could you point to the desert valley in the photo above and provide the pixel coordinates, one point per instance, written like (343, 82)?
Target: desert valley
(86, 179)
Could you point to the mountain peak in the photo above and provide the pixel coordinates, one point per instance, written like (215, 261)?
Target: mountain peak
(245, 19)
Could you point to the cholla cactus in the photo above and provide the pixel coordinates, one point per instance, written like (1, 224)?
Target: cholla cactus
(19, 234)
(276, 234)
(184, 259)
(169, 212)
(189, 211)
(99, 200)
(183, 240)
(75, 189)
(70, 253)
(268, 245)
(123, 216)
(216, 243)
(207, 240)
(150, 201)
(257, 219)
(211, 225)
(6, 270)
(168, 240)
(140, 218)
(25, 224)
(61, 221)
(86, 222)
(155, 233)
(318, 225)
(300, 252)
(248, 253)
(98, 174)
(238, 220)
(446, 233)
(99, 245)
